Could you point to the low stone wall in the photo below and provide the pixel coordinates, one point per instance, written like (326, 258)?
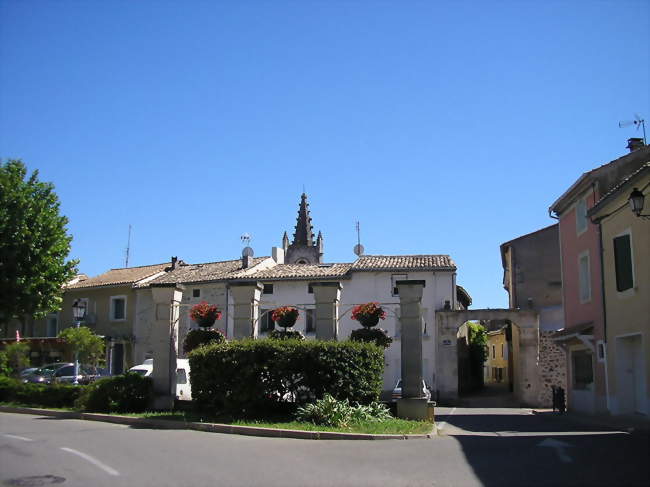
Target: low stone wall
(552, 367)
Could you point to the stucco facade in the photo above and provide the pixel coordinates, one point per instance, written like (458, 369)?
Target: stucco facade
(584, 314)
(627, 310)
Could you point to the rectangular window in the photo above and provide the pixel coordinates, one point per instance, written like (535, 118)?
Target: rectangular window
(494, 353)
(181, 376)
(196, 293)
(502, 354)
(583, 375)
(266, 323)
(118, 308)
(52, 326)
(623, 263)
(581, 215)
(584, 276)
(393, 282)
(310, 289)
(268, 289)
(310, 321)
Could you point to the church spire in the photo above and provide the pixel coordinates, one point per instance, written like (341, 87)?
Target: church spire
(303, 250)
(304, 234)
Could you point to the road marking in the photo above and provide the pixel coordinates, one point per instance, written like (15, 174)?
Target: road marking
(442, 424)
(15, 437)
(559, 447)
(92, 460)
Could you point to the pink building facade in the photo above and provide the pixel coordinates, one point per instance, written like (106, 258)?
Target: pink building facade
(584, 335)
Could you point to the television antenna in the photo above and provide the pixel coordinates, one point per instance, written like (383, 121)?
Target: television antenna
(246, 240)
(638, 122)
(358, 248)
(128, 249)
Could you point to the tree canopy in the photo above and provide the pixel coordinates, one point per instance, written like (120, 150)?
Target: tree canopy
(83, 341)
(34, 245)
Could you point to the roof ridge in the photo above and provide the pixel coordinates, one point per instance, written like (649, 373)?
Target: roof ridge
(135, 267)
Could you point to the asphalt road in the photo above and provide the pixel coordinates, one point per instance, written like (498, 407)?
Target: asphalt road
(476, 447)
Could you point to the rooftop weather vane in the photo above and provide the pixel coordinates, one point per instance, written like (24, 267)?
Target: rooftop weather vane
(358, 248)
(638, 122)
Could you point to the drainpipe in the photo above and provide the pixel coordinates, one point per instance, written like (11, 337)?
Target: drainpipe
(602, 297)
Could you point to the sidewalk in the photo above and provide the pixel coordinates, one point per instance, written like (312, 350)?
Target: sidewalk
(631, 423)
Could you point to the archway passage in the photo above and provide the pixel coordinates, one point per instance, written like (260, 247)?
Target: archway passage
(523, 372)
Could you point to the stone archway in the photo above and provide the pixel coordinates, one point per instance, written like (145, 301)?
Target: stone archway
(525, 341)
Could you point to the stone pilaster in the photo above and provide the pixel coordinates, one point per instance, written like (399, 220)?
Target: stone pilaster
(164, 342)
(246, 297)
(327, 296)
(412, 405)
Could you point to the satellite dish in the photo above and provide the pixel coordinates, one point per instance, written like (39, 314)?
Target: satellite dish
(247, 252)
(358, 249)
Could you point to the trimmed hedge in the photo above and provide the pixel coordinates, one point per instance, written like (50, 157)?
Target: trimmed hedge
(247, 376)
(196, 338)
(372, 335)
(128, 393)
(39, 395)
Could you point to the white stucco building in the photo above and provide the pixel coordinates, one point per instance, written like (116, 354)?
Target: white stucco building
(288, 277)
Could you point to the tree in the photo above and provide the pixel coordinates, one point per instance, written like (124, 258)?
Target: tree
(477, 352)
(83, 341)
(34, 245)
(17, 357)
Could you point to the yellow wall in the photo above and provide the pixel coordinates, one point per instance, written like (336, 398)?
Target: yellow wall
(498, 343)
(628, 312)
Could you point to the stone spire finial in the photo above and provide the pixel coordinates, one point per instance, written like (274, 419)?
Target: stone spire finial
(319, 242)
(303, 234)
(285, 241)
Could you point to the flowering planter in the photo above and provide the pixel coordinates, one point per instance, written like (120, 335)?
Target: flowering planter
(368, 314)
(285, 316)
(205, 314)
(368, 321)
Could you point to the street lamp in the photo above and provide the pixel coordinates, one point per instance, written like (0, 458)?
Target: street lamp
(79, 313)
(636, 200)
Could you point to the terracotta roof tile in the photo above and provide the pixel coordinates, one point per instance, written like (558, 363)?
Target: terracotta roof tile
(211, 271)
(126, 275)
(299, 271)
(403, 263)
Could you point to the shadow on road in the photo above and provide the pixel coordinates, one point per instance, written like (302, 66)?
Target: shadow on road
(590, 460)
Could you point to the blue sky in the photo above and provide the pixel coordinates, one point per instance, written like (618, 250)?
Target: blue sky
(443, 127)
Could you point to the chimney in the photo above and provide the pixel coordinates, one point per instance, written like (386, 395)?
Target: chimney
(246, 261)
(174, 260)
(635, 143)
(278, 255)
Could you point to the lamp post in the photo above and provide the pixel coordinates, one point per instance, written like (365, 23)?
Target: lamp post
(636, 201)
(79, 313)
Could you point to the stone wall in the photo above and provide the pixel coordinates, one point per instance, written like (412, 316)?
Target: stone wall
(552, 368)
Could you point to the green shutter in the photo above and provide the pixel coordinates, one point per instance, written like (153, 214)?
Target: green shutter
(623, 263)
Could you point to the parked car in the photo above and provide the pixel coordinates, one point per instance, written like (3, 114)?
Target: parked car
(183, 386)
(28, 371)
(397, 391)
(63, 372)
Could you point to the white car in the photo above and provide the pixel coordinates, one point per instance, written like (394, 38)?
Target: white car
(183, 386)
(397, 391)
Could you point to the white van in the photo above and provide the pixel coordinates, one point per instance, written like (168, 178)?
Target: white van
(183, 386)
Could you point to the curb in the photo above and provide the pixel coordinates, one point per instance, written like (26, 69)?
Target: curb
(613, 424)
(214, 427)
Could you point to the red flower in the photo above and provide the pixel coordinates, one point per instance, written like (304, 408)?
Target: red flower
(366, 310)
(203, 312)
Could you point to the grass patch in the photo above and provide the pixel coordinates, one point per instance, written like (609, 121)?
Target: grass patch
(35, 406)
(394, 426)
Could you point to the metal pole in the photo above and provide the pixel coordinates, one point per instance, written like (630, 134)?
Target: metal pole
(76, 361)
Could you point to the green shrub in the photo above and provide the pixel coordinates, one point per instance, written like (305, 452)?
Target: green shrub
(128, 393)
(196, 338)
(48, 396)
(286, 335)
(372, 335)
(39, 395)
(8, 388)
(330, 412)
(258, 375)
(5, 370)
